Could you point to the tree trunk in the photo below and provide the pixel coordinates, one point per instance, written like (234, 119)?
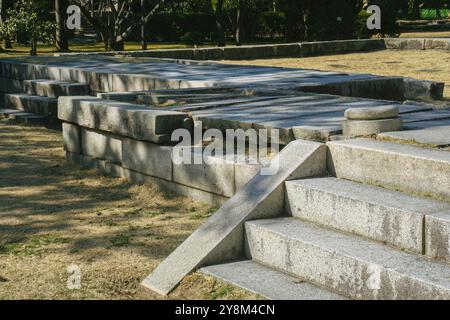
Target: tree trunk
(5, 5)
(143, 38)
(238, 24)
(414, 10)
(62, 43)
(33, 51)
(219, 24)
(115, 45)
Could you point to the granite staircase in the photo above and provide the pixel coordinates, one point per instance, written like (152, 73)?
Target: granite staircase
(377, 228)
(38, 104)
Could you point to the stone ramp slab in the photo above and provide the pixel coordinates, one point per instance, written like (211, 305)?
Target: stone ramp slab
(268, 283)
(221, 237)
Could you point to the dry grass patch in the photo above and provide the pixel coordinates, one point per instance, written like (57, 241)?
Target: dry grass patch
(53, 215)
(426, 64)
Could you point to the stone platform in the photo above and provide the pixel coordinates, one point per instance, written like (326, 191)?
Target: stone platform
(124, 74)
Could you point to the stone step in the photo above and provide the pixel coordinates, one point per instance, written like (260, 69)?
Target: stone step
(395, 166)
(23, 117)
(388, 216)
(54, 88)
(32, 119)
(346, 264)
(34, 104)
(267, 282)
(121, 118)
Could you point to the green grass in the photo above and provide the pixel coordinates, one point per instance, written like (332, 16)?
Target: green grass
(32, 247)
(43, 50)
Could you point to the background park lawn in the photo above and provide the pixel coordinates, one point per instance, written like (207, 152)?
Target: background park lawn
(420, 64)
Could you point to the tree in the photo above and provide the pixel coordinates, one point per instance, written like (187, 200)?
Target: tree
(4, 6)
(218, 9)
(26, 17)
(62, 43)
(238, 22)
(115, 20)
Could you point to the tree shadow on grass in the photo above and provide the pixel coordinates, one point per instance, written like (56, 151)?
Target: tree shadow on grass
(41, 195)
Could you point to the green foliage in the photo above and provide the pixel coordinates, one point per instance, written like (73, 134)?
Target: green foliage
(432, 14)
(361, 31)
(193, 38)
(26, 17)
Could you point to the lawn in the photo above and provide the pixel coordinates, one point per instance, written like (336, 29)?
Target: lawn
(53, 215)
(426, 64)
(23, 50)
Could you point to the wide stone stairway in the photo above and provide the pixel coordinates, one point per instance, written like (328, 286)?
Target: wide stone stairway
(38, 104)
(376, 228)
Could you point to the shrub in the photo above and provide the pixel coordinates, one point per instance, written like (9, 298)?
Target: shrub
(193, 38)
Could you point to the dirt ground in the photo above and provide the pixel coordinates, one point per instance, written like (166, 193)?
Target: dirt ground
(54, 215)
(427, 64)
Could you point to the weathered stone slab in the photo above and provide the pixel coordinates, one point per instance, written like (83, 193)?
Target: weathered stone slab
(217, 176)
(34, 104)
(243, 173)
(71, 138)
(340, 46)
(388, 216)
(130, 120)
(132, 82)
(147, 158)
(435, 136)
(348, 265)
(111, 169)
(54, 88)
(422, 89)
(437, 44)
(358, 128)
(101, 145)
(221, 237)
(437, 236)
(391, 165)
(8, 85)
(404, 44)
(316, 133)
(410, 118)
(388, 88)
(267, 282)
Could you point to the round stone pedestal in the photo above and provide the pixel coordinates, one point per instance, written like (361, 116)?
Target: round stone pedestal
(369, 121)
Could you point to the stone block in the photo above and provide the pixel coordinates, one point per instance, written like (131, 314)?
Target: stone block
(268, 283)
(422, 89)
(351, 266)
(71, 138)
(391, 217)
(54, 88)
(437, 236)
(147, 158)
(101, 145)
(131, 82)
(130, 120)
(216, 176)
(391, 165)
